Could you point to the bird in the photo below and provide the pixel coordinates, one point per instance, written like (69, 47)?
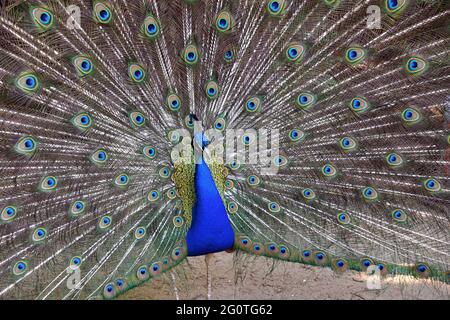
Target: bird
(135, 134)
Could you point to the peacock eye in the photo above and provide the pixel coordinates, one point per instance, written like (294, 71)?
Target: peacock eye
(99, 156)
(104, 222)
(306, 100)
(190, 54)
(39, 235)
(82, 121)
(365, 263)
(28, 82)
(370, 193)
(308, 194)
(399, 215)
(274, 207)
(77, 208)
(355, 55)
(42, 18)
(422, 270)
(26, 146)
(220, 124)
(339, 265)
(102, 12)
(276, 8)
(151, 27)
(153, 196)
(173, 101)
(178, 221)
(359, 105)
(149, 152)
(83, 65)
(234, 164)
(224, 21)
(136, 73)
(8, 213)
(164, 172)
(394, 159)
(295, 52)
(343, 218)
(432, 185)
(280, 161)
(212, 89)
(253, 104)
(20, 267)
(75, 262)
(48, 184)
(121, 180)
(395, 6)
(415, 66)
(232, 207)
(229, 55)
(329, 171)
(411, 116)
(296, 135)
(139, 233)
(137, 119)
(347, 144)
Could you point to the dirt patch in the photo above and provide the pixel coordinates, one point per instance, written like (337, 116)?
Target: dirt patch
(261, 278)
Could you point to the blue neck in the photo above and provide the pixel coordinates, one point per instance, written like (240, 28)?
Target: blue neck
(210, 230)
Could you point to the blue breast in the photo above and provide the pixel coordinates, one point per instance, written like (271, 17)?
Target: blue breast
(210, 230)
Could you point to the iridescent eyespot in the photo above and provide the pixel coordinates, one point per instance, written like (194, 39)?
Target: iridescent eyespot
(104, 222)
(411, 116)
(75, 262)
(26, 146)
(253, 180)
(296, 135)
(382, 268)
(139, 233)
(320, 257)
(343, 218)
(339, 265)
(136, 73)
(394, 160)
(395, 6)
(257, 249)
(224, 21)
(155, 268)
(307, 255)
(229, 55)
(415, 66)
(137, 119)
(121, 284)
(244, 243)
(102, 12)
(77, 208)
(306, 100)
(174, 136)
(20, 267)
(82, 121)
(42, 18)
(8, 213)
(273, 207)
(172, 193)
(142, 273)
(48, 184)
(149, 152)
(229, 184)
(109, 291)
(164, 172)
(173, 101)
(212, 89)
(366, 263)
(399, 215)
(232, 207)
(308, 194)
(28, 82)
(99, 156)
(272, 249)
(359, 105)
(276, 8)
(151, 27)
(39, 235)
(234, 164)
(83, 65)
(355, 55)
(422, 270)
(189, 121)
(190, 55)
(153, 196)
(280, 161)
(370, 193)
(122, 180)
(295, 52)
(432, 185)
(253, 104)
(248, 139)
(220, 124)
(178, 221)
(329, 171)
(178, 253)
(347, 144)
(283, 252)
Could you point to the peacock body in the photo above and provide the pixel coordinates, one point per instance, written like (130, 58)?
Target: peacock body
(136, 133)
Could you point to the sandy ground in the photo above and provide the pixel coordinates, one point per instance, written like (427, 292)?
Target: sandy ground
(258, 278)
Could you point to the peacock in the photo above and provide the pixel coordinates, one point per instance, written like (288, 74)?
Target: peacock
(134, 134)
